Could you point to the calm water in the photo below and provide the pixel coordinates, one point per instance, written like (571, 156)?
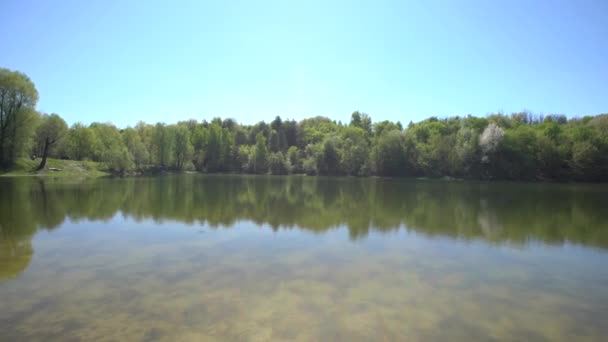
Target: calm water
(196, 258)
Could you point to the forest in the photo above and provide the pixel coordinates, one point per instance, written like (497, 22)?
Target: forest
(517, 146)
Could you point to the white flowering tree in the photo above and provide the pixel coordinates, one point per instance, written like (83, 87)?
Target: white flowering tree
(489, 140)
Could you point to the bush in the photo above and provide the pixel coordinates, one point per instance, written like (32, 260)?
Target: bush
(309, 166)
(279, 165)
(120, 160)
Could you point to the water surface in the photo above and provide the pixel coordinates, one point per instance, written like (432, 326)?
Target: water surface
(195, 258)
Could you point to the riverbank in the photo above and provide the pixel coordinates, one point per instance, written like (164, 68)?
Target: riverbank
(56, 168)
(74, 169)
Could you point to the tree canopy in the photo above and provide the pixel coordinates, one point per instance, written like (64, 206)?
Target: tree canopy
(18, 97)
(51, 130)
(519, 146)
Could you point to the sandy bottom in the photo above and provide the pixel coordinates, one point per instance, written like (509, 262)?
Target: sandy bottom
(126, 281)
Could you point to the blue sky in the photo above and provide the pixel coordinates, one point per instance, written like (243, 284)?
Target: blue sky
(124, 61)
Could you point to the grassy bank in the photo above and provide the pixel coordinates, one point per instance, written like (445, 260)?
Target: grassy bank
(56, 168)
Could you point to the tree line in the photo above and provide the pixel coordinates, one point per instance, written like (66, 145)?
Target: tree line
(519, 146)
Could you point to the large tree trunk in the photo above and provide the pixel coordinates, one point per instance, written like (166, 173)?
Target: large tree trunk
(47, 143)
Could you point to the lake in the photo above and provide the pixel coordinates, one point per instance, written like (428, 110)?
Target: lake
(195, 257)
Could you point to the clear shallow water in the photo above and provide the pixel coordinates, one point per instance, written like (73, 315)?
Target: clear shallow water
(193, 257)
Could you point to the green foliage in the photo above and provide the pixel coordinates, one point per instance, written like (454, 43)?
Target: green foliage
(52, 128)
(586, 160)
(182, 146)
(295, 159)
(516, 147)
(388, 154)
(80, 142)
(119, 160)
(213, 150)
(355, 151)
(520, 146)
(361, 120)
(18, 97)
(309, 166)
(328, 160)
(518, 153)
(278, 164)
(49, 133)
(135, 147)
(244, 151)
(259, 156)
(162, 145)
(107, 138)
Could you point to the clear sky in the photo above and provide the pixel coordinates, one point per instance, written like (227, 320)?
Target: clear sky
(124, 61)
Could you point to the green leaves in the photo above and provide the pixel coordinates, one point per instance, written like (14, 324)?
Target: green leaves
(18, 97)
(520, 146)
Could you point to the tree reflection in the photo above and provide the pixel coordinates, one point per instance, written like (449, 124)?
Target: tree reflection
(15, 256)
(500, 213)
